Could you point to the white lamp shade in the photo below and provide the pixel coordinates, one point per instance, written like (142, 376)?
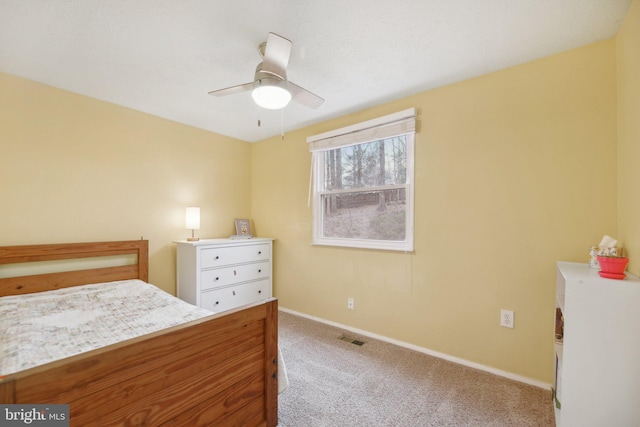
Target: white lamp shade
(271, 94)
(193, 218)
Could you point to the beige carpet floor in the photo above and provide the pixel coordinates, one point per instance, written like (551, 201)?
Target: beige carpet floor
(334, 383)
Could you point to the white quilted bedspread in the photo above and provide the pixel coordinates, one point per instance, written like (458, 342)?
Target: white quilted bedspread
(42, 327)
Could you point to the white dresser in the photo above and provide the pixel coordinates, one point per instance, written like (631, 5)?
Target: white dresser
(221, 274)
(597, 358)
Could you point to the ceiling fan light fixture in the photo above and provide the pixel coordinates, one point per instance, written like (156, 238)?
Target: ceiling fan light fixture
(271, 94)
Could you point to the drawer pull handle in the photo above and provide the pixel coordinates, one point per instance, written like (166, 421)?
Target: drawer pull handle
(235, 273)
(259, 292)
(217, 302)
(234, 292)
(217, 278)
(259, 252)
(217, 257)
(259, 271)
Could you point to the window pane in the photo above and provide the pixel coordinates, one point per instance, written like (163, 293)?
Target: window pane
(372, 215)
(372, 164)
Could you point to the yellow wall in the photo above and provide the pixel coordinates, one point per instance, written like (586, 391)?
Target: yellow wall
(515, 170)
(628, 68)
(74, 169)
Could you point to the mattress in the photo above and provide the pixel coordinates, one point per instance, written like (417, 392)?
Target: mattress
(42, 327)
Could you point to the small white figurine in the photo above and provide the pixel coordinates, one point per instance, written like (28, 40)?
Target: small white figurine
(607, 247)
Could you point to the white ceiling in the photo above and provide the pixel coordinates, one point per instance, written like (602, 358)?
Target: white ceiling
(162, 56)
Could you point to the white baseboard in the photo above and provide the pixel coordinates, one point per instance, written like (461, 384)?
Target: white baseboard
(433, 353)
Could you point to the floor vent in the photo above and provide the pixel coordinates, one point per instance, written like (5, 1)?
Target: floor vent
(351, 340)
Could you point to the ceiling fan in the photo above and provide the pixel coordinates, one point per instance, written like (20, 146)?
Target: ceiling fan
(270, 87)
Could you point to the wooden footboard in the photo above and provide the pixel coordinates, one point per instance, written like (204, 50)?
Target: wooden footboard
(220, 370)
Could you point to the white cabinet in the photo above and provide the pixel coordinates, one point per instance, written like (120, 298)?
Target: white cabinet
(221, 274)
(597, 369)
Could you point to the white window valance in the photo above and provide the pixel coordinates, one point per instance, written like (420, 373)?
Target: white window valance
(383, 127)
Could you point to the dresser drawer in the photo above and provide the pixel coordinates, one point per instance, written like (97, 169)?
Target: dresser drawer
(225, 276)
(217, 257)
(234, 296)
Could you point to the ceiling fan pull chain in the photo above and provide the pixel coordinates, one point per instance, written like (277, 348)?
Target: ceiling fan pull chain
(259, 117)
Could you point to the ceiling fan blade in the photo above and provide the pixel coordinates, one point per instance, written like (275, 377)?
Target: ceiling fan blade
(304, 97)
(231, 90)
(276, 55)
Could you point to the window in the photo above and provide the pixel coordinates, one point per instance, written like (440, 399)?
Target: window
(363, 184)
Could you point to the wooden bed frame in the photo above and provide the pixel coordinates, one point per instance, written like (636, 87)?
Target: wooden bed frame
(219, 370)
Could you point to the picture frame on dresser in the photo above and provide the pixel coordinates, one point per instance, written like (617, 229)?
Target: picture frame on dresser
(243, 227)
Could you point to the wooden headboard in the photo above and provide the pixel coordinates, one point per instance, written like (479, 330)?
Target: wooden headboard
(66, 251)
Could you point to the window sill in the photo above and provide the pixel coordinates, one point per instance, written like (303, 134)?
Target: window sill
(371, 244)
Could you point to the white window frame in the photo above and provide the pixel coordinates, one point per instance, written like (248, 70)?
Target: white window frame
(401, 123)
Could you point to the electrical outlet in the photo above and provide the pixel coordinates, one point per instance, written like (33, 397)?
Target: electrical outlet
(350, 303)
(506, 318)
